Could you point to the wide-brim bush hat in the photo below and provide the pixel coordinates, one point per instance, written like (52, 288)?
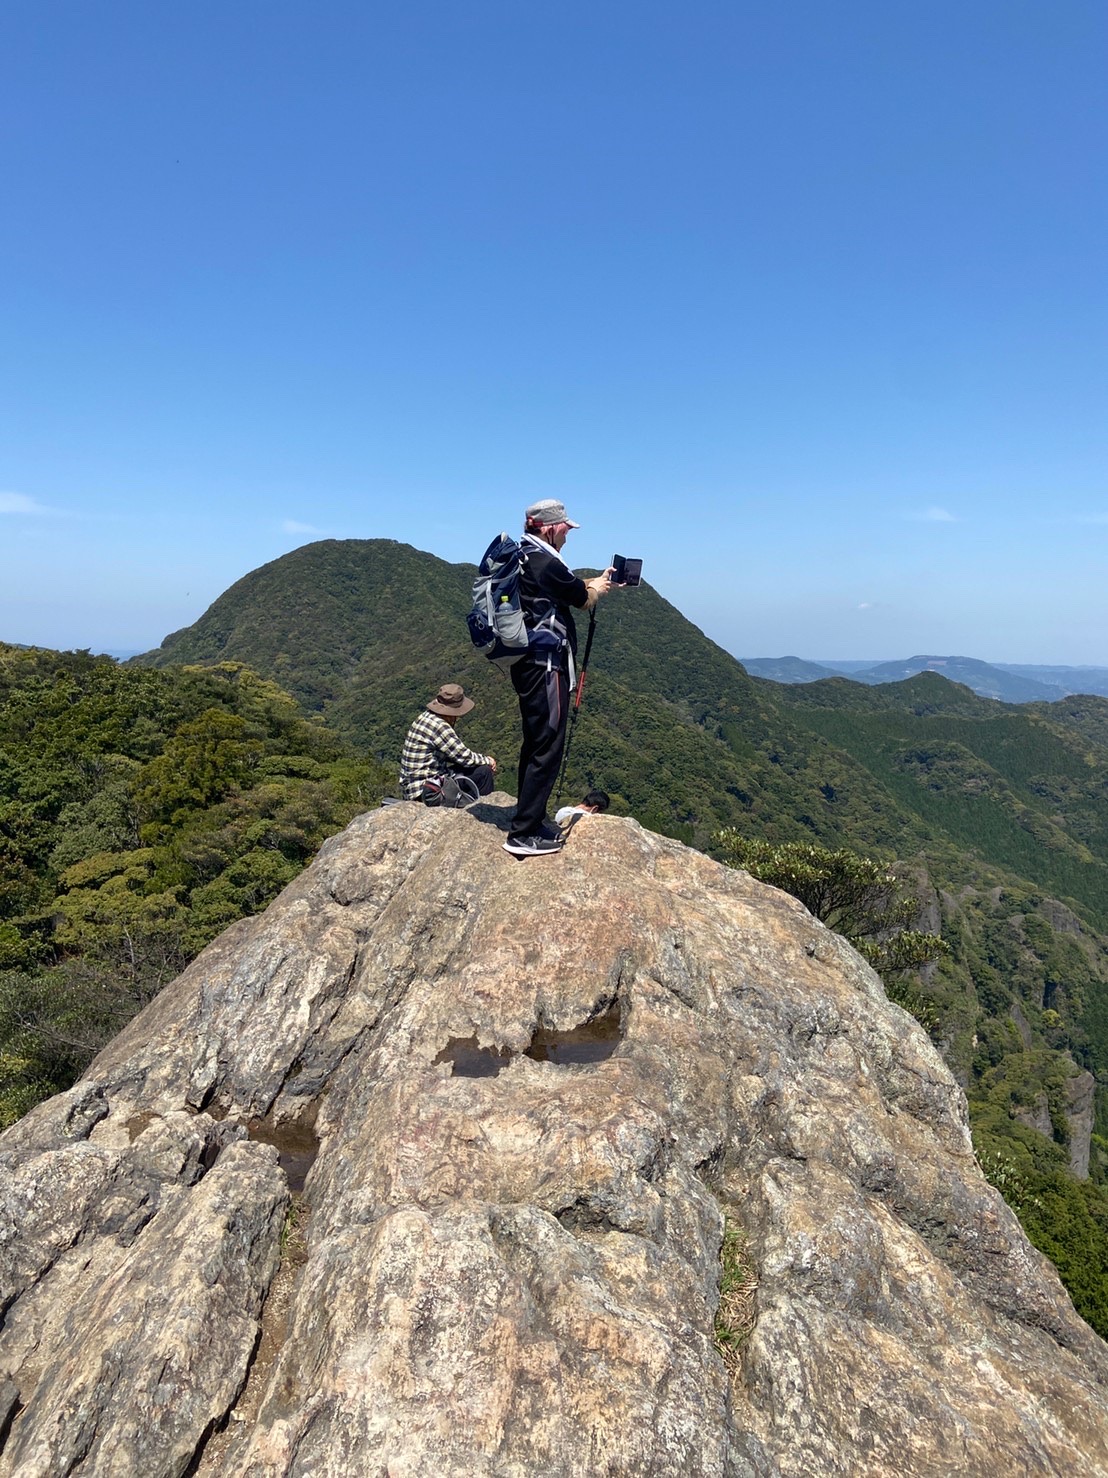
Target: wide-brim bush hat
(450, 701)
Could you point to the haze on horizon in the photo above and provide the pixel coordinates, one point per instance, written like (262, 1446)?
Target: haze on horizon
(804, 305)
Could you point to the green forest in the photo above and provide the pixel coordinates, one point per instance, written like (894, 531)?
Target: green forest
(141, 812)
(146, 806)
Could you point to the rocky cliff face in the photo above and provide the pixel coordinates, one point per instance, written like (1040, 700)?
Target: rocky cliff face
(532, 1101)
(1080, 1116)
(1080, 1111)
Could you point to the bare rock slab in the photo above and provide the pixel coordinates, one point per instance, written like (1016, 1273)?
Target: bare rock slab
(524, 1101)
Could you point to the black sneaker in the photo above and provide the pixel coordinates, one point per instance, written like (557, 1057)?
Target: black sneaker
(536, 846)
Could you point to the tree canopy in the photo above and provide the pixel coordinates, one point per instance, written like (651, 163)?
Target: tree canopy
(141, 812)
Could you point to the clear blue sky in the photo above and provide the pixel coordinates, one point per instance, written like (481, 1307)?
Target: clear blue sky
(804, 302)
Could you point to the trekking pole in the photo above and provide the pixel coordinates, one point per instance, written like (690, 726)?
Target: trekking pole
(576, 703)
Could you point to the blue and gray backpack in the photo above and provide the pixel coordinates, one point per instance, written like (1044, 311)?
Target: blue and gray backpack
(496, 625)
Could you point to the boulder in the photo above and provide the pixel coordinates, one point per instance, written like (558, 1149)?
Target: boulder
(610, 1162)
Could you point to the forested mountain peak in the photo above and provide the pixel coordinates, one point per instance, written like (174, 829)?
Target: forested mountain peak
(308, 615)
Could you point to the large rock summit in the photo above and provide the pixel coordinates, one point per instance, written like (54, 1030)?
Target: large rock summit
(528, 1104)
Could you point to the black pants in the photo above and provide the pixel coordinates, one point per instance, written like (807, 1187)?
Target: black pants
(482, 777)
(544, 710)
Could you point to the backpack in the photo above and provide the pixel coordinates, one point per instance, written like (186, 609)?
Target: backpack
(457, 792)
(496, 625)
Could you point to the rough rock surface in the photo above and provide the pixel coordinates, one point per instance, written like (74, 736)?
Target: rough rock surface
(1080, 1116)
(533, 1092)
(1080, 1110)
(1036, 1115)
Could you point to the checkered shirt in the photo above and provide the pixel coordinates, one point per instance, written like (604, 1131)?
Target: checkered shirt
(432, 748)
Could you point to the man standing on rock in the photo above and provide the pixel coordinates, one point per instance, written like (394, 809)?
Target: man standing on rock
(548, 589)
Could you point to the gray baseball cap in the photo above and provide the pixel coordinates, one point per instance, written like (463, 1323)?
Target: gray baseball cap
(549, 511)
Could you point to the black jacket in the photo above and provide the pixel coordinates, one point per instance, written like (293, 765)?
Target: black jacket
(546, 585)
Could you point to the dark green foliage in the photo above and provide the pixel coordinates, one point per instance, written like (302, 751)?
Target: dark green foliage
(140, 813)
(927, 692)
(1066, 1219)
(1008, 787)
(1080, 715)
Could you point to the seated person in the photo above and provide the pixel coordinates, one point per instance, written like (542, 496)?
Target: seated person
(594, 802)
(432, 749)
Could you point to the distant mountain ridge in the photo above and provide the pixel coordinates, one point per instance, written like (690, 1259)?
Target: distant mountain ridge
(985, 680)
(789, 669)
(1071, 679)
(1007, 682)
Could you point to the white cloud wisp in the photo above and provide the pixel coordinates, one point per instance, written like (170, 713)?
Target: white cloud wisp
(933, 514)
(21, 503)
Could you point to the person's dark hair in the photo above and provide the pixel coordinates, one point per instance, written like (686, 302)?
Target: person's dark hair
(597, 798)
